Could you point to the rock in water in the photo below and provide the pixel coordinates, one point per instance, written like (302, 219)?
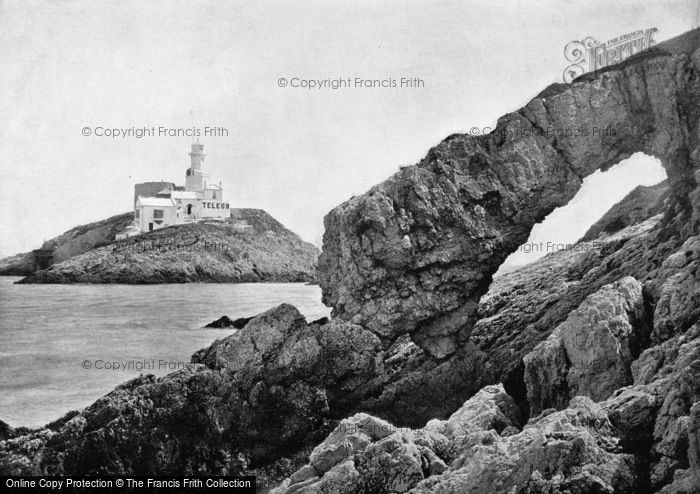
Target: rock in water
(226, 322)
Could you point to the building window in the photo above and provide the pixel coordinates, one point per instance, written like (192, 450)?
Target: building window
(136, 214)
(214, 195)
(189, 209)
(158, 214)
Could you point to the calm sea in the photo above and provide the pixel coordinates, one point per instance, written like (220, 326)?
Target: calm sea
(49, 332)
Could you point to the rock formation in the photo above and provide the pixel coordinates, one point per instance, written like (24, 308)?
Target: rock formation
(578, 373)
(590, 353)
(480, 448)
(257, 394)
(227, 322)
(250, 247)
(415, 253)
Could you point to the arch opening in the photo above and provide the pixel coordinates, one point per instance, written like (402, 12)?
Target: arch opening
(599, 192)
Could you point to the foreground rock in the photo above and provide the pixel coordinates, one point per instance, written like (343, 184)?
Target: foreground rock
(252, 397)
(656, 412)
(480, 448)
(250, 247)
(644, 438)
(590, 353)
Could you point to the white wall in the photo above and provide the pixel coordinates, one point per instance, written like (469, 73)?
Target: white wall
(170, 217)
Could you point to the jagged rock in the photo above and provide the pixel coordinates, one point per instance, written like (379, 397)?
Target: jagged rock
(226, 322)
(571, 449)
(414, 254)
(568, 451)
(349, 436)
(255, 395)
(490, 408)
(678, 305)
(688, 481)
(523, 307)
(519, 312)
(652, 417)
(677, 383)
(632, 411)
(590, 353)
(215, 251)
(383, 458)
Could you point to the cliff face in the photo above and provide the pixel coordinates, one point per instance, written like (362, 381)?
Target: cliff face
(578, 373)
(643, 202)
(414, 254)
(249, 247)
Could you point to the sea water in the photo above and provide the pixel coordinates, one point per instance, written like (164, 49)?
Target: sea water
(64, 346)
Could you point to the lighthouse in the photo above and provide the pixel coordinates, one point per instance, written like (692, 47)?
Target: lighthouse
(162, 204)
(195, 178)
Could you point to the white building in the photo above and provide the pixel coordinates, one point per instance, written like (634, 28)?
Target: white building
(155, 212)
(177, 205)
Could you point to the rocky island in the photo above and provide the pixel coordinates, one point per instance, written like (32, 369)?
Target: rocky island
(250, 246)
(579, 373)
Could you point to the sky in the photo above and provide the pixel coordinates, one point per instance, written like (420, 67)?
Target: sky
(71, 65)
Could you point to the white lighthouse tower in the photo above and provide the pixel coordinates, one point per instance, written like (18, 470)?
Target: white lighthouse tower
(195, 178)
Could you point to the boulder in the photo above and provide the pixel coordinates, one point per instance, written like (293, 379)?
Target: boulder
(572, 449)
(590, 353)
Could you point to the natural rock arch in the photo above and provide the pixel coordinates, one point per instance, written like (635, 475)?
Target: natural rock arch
(414, 254)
